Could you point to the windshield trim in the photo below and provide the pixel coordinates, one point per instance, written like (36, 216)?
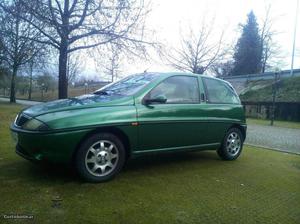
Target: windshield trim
(134, 90)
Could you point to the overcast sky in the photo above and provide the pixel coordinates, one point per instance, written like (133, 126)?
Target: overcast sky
(169, 18)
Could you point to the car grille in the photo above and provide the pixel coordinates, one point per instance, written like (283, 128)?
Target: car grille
(22, 119)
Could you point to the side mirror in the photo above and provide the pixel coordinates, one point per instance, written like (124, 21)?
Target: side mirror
(156, 99)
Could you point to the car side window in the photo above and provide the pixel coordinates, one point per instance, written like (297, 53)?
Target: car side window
(178, 89)
(220, 92)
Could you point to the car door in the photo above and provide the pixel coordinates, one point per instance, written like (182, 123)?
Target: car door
(222, 107)
(177, 123)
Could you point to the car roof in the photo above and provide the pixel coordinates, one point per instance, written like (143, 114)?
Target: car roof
(168, 74)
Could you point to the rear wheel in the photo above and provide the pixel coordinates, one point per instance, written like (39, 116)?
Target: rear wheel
(100, 157)
(232, 145)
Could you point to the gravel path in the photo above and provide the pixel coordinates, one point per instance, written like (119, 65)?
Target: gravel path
(283, 139)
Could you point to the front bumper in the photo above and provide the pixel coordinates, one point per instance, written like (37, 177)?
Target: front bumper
(21, 152)
(50, 146)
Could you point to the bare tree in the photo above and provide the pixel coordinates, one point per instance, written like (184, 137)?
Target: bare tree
(5, 78)
(271, 51)
(74, 66)
(111, 63)
(30, 66)
(17, 38)
(71, 25)
(222, 69)
(37, 61)
(198, 51)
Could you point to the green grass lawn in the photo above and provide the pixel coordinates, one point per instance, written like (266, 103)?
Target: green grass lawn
(284, 124)
(262, 186)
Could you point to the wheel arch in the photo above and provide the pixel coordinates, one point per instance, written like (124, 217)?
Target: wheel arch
(241, 128)
(113, 130)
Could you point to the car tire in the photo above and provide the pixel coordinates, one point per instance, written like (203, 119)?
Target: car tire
(100, 157)
(232, 145)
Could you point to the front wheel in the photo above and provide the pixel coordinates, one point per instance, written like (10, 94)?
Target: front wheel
(232, 145)
(100, 157)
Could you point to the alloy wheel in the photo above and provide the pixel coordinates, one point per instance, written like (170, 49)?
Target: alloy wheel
(233, 143)
(102, 158)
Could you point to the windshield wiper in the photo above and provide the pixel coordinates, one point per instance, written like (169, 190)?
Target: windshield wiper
(101, 92)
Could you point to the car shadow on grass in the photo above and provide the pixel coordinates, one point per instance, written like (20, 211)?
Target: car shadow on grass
(21, 170)
(26, 171)
(165, 160)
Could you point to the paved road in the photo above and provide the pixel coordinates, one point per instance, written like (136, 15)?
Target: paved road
(24, 102)
(283, 139)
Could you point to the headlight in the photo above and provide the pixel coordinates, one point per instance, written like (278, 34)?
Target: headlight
(16, 119)
(35, 125)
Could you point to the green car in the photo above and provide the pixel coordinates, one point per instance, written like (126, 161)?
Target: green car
(140, 114)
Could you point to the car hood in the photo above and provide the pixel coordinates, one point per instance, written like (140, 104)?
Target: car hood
(80, 102)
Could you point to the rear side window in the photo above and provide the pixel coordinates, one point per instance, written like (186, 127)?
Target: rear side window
(220, 92)
(178, 89)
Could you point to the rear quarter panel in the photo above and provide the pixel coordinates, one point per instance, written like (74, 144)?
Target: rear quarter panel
(220, 117)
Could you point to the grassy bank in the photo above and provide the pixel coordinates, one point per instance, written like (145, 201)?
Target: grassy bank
(262, 186)
(261, 91)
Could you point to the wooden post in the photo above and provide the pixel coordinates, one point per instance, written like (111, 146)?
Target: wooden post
(274, 91)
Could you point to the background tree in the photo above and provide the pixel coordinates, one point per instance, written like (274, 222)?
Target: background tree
(271, 51)
(4, 73)
(111, 63)
(22, 84)
(198, 51)
(37, 62)
(222, 69)
(72, 25)
(5, 78)
(74, 66)
(248, 50)
(46, 82)
(17, 38)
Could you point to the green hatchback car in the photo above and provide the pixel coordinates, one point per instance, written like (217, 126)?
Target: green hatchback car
(140, 114)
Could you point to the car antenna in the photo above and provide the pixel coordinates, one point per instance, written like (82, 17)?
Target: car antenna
(146, 70)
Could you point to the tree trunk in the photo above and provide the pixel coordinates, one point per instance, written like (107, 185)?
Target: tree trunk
(30, 81)
(264, 63)
(13, 84)
(62, 71)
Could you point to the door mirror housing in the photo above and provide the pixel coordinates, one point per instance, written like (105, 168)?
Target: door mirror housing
(157, 99)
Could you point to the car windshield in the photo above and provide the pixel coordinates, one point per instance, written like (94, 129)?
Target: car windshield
(127, 86)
